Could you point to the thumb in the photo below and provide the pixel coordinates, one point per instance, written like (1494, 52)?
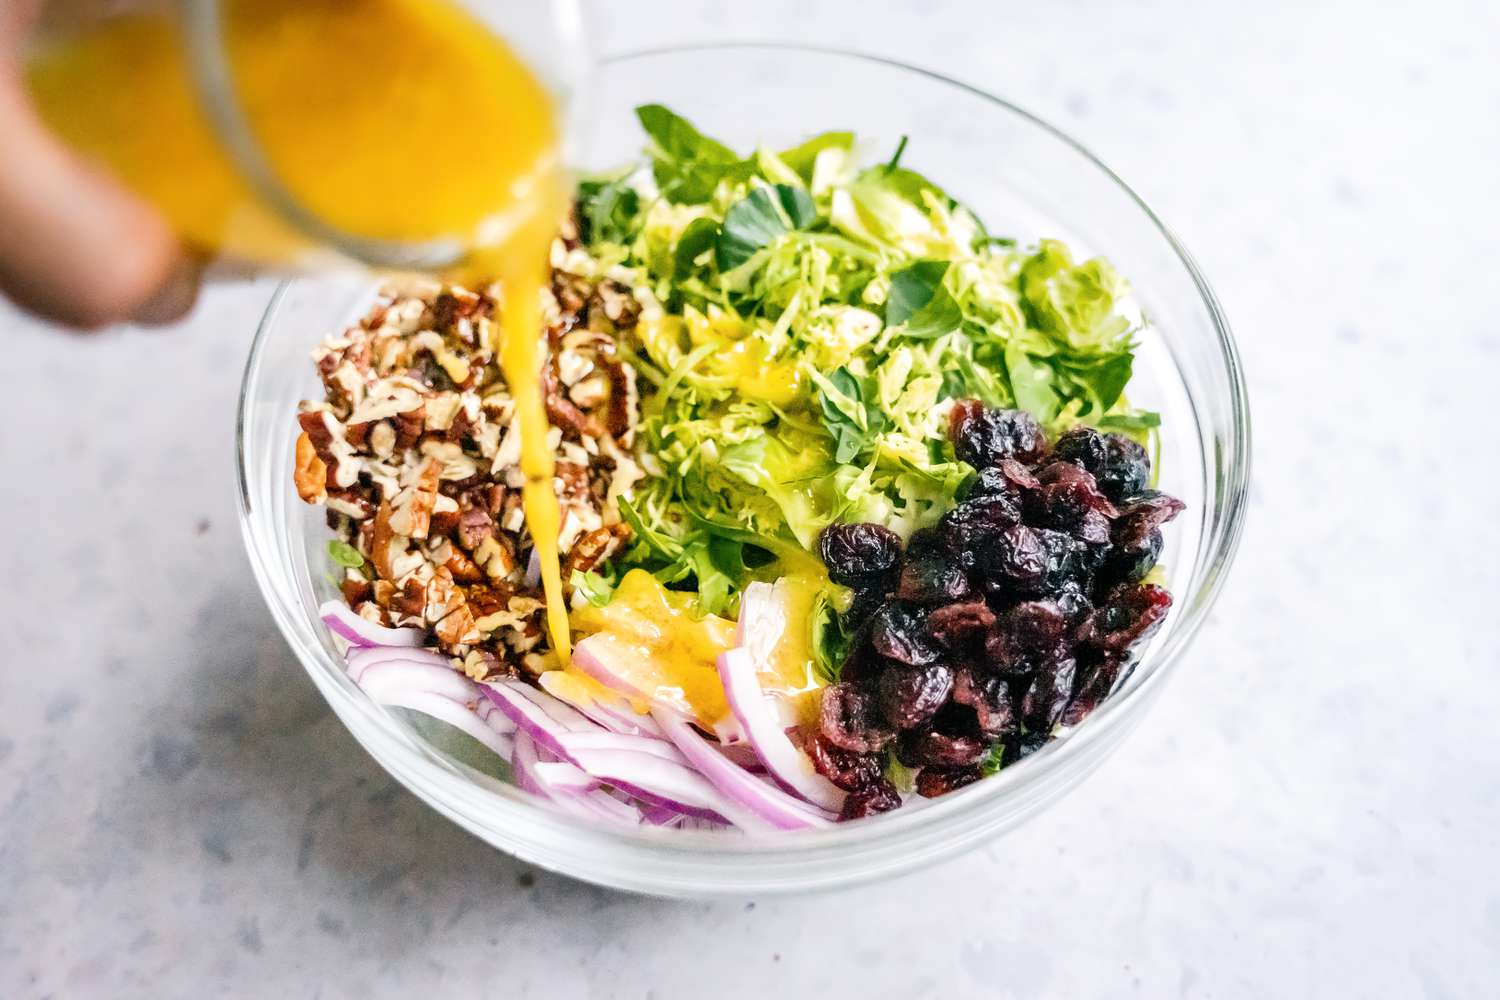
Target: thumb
(75, 246)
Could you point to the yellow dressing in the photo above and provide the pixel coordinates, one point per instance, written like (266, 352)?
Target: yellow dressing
(388, 119)
(660, 643)
(779, 383)
(793, 672)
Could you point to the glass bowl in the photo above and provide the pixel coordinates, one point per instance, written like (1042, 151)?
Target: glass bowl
(1025, 179)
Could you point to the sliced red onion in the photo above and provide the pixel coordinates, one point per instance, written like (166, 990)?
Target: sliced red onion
(601, 740)
(592, 657)
(608, 708)
(787, 764)
(766, 802)
(454, 714)
(358, 656)
(564, 715)
(378, 676)
(344, 623)
(661, 782)
(526, 714)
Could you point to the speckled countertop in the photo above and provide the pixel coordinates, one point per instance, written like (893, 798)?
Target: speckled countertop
(1311, 810)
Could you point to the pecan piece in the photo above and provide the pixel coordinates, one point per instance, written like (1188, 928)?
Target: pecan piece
(474, 526)
(563, 412)
(310, 473)
(412, 516)
(593, 548)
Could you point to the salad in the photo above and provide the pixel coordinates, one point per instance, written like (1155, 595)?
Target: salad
(854, 506)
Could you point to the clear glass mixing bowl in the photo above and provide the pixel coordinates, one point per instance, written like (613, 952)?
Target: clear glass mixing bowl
(1025, 179)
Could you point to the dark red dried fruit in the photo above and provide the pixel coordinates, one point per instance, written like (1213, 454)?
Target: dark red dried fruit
(1126, 617)
(1043, 703)
(1016, 557)
(897, 633)
(975, 526)
(934, 749)
(878, 798)
(983, 436)
(931, 576)
(955, 624)
(1143, 513)
(1092, 685)
(847, 719)
(1083, 446)
(1130, 562)
(988, 697)
(935, 781)
(859, 554)
(1126, 468)
(911, 696)
(1035, 626)
(1069, 500)
(845, 769)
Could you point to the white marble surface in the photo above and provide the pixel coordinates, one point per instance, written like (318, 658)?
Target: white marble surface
(1312, 809)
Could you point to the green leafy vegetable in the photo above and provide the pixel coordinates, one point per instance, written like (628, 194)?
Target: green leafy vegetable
(594, 588)
(919, 300)
(802, 157)
(687, 164)
(758, 219)
(993, 761)
(816, 322)
(345, 554)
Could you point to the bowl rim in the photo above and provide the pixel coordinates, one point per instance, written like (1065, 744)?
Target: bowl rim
(1221, 538)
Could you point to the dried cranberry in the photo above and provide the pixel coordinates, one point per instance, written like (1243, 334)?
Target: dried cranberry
(847, 720)
(955, 624)
(988, 697)
(1016, 557)
(857, 554)
(1143, 513)
(934, 749)
(1128, 615)
(976, 525)
(897, 633)
(1130, 562)
(931, 576)
(877, 798)
(983, 436)
(847, 770)
(1070, 501)
(911, 696)
(1083, 446)
(1043, 703)
(1092, 685)
(1125, 469)
(1072, 599)
(935, 781)
(1023, 745)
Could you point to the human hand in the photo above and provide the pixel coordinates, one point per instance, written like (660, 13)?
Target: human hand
(75, 246)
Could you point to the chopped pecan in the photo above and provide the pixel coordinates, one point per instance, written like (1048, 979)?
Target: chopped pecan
(412, 514)
(409, 426)
(463, 568)
(474, 526)
(411, 601)
(381, 541)
(457, 626)
(562, 412)
(310, 474)
(593, 548)
(356, 590)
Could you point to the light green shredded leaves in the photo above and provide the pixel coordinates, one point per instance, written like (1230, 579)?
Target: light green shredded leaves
(817, 320)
